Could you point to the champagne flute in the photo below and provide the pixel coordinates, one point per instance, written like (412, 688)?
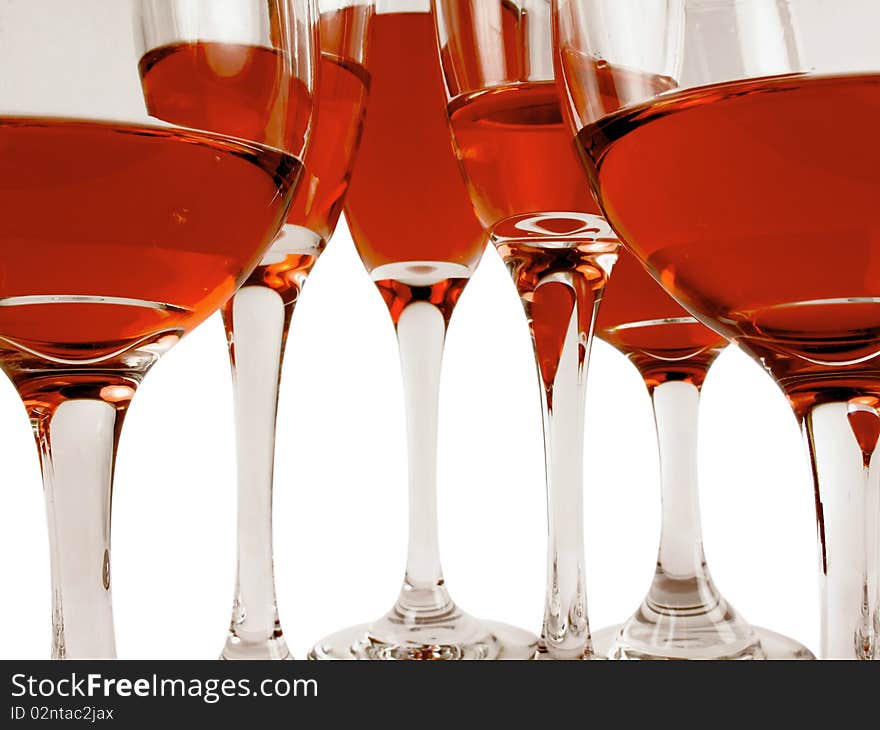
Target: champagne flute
(151, 229)
(529, 191)
(749, 193)
(684, 616)
(417, 235)
(226, 85)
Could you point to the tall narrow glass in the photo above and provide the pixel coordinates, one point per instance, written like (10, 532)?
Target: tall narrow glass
(150, 229)
(222, 86)
(529, 192)
(684, 616)
(749, 192)
(417, 235)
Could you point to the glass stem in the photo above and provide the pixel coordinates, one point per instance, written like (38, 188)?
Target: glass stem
(676, 409)
(683, 616)
(561, 316)
(842, 442)
(256, 322)
(77, 441)
(421, 332)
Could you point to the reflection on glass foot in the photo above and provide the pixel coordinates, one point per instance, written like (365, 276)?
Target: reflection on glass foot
(545, 654)
(623, 642)
(238, 648)
(687, 618)
(461, 637)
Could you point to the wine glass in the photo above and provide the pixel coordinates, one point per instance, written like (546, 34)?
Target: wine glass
(417, 235)
(749, 192)
(119, 234)
(684, 616)
(223, 85)
(530, 192)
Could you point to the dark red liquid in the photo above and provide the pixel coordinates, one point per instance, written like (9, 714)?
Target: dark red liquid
(648, 326)
(407, 200)
(233, 88)
(173, 218)
(339, 114)
(340, 103)
(755, 204)
(517, 154)
(229, 88)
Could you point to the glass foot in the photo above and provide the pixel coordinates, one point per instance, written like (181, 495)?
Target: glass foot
(610, 643)
(468, 638)
(544, 655)
(238, 648)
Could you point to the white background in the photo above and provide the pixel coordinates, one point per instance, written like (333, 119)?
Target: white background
(340, 490)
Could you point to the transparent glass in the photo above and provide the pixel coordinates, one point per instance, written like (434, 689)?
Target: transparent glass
(683, 616)
(416, 233)
(258, 317)
(152, 227)
(745, 135)
(531, 194)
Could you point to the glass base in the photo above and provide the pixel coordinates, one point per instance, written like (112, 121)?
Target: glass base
(609, 644)
(544, 655)
(468, 638)
(240, 649)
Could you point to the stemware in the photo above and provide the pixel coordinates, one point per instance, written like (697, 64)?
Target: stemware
(224, 86)
(417, 235)
(529, 191)
(151, 228)
(748, 191)
(684, 616)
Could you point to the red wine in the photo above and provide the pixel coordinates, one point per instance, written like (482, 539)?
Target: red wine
(229, 88)
(518, 156)
(407, 200)
(112, 234)
(233, 89)
(516, 152)
(754, 203)
(340, 104)
(648, 326)
(339, 115)
(511, 134)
